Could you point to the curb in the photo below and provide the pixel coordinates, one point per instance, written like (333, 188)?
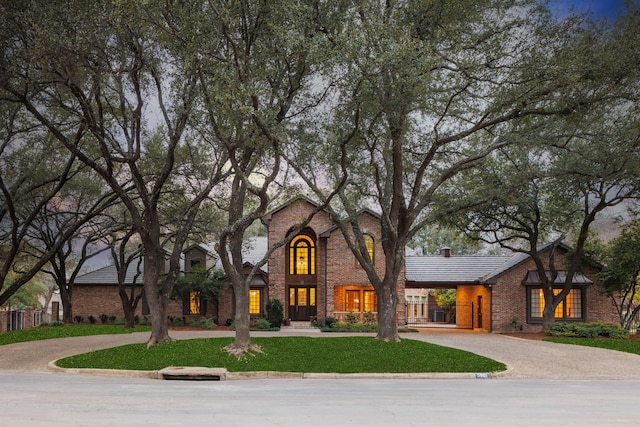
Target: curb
(200, 373)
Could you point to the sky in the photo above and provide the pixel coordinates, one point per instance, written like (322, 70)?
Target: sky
(608, 9)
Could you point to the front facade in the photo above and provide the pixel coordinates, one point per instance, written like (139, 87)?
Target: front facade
(316, 276)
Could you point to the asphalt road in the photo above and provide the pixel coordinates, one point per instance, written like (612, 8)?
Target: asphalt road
(546, 385)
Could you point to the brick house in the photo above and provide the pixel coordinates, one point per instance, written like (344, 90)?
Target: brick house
(503, 293)
(316, 276)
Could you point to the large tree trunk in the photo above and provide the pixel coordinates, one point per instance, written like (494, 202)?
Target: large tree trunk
(242, 319)
(157, 301)
(67, 305)
(387, 305)
(128, 309)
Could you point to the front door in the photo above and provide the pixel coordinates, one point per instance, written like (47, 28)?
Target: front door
(302, 302)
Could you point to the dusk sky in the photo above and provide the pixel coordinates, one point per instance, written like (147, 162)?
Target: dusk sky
(600, 8)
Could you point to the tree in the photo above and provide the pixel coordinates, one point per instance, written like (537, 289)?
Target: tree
(78, 200)
(431, 89)
(128, 92)
(254, 73)
(619, 279)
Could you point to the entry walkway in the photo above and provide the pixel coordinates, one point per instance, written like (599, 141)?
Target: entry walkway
(524, 358)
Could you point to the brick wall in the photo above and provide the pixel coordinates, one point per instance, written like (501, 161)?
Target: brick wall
(336, 267)
(94, 300)
(510, 300)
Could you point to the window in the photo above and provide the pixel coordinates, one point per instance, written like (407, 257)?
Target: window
(569, 309)
(352, 301)
(302, 256)
(194, 303)
(254, 301)
(370, 301)
(369, 244)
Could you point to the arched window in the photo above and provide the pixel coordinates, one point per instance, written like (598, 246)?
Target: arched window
(302, 256)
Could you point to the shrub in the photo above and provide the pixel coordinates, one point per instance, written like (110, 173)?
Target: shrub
(329, 321)
(587, 330)
(92, 319)
(78, 319)
(112, 319)
(262, 324)
(351, 318)
(103, 318)
(275, 312)
(204, 323)
(178, 321)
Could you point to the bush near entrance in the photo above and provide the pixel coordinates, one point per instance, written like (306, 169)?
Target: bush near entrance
(587, 330)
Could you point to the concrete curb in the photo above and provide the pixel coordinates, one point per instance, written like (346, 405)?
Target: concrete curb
(221, 374)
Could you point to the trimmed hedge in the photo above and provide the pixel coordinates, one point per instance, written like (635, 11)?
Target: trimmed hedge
(587, 330)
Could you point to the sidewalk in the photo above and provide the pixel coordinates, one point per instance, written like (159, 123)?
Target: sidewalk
(524, 358)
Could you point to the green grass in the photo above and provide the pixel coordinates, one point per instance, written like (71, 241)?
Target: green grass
(292, 354)
(628, 346)
(49, 332)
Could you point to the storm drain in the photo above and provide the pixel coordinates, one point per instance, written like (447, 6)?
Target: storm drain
(193, 373)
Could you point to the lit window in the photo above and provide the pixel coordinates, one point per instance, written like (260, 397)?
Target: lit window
(368, 243)
(370, 302)
(569, 308)
(254, 301)
(352, 301)
(302, 256)
(194, 303)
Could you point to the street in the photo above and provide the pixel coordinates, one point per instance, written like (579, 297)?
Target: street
(47, 399)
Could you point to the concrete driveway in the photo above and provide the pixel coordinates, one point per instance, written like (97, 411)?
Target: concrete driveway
(524, 358)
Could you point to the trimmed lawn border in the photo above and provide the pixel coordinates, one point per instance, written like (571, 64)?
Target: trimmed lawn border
(627, 346)
(340, 355)
(51, 332)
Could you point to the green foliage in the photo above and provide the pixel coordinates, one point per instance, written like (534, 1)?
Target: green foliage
(92, 319)
(104, 318)
(262, 324)
(445, 298)
(26, 295)
(329, 321)
(292, 354)
(429, 240)
(275, 312)
(208, 282)
(204, 323)
(587, 330)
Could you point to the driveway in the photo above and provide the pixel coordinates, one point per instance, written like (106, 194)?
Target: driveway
(524, 358)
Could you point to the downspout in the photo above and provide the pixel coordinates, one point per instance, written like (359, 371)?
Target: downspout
(490, 286)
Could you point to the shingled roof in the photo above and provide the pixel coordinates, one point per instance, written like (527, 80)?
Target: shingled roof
(451, 270)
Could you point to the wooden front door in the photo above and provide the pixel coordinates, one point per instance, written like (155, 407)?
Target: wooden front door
(302, 302)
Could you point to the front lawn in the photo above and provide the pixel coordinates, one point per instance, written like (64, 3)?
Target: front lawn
(49, 332)
(292, 354)
(628, 346)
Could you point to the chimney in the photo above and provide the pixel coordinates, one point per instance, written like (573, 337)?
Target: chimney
(445, 252)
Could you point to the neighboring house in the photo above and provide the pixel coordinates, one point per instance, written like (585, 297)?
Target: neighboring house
(316, 276)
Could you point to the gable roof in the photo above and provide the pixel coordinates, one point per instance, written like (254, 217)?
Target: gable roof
(267, 216)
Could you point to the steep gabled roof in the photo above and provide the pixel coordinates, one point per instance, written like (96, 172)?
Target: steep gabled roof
(267, 217)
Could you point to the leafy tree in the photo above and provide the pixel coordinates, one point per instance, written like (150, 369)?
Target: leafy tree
(429, 89)
(208, 283)
(565, 172)
(254, 73)
(620, 278)
(128, 90)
